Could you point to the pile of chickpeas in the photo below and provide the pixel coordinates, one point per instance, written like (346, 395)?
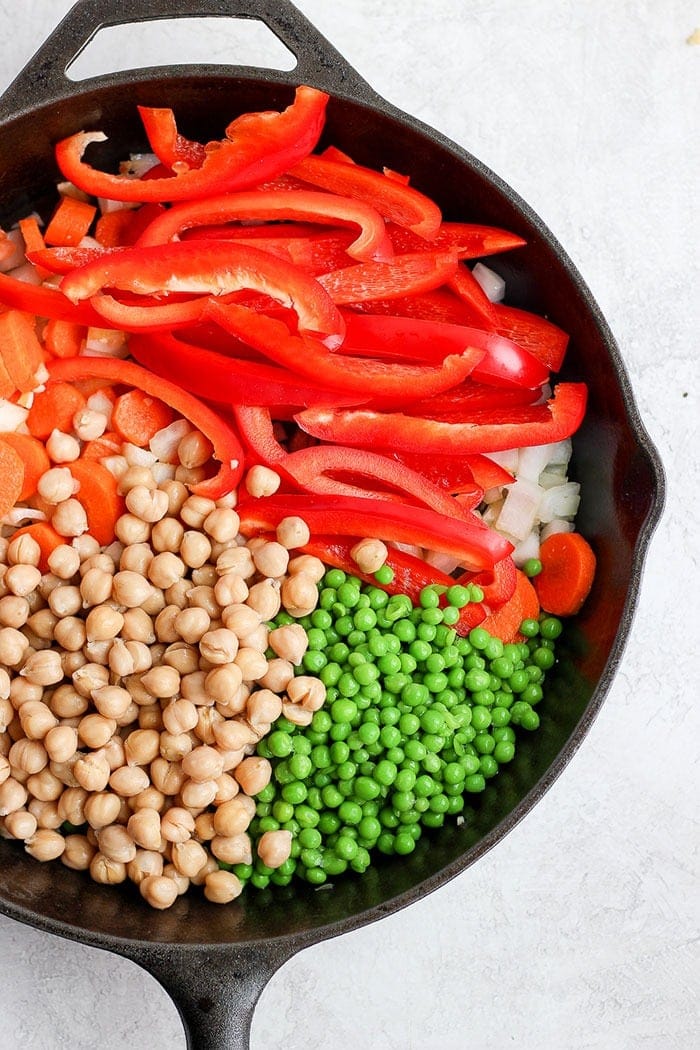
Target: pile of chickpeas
(136, 680)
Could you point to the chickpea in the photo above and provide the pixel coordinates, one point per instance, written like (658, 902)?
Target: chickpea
(271, 559)
(44, 785)
(101, 809)
(219, 646)
(200, 878)
(148, 504)
(195, 549)
(70, 633)
(278, 675)
(13, 646)
(262, 481)
(203, 763)
(162, 682)
(263, 708)
(222, 524)
(237, 560)
(120, 661)
(253, 774)
(232, 849)
(297, 714)
(176, 593)
(151, 798)
(129, 780)
(106, 871)
(192, 687)
(168, 777)
(45, 845)
(189, 857)
(177, 824)
(29, 756)
(166, 535)
(150, 717)
(257, 639)
(65, 600)
(252, 663)
(69, 518)
(289, 642)
(14, 611)
(226, 789)
(204, 827)
(112, 701)
(132, 529)
(64, 562)
(78, 853)
(71, 805)
(13, 796)
(174, 746)
(89, 424)
(89, 677)
(141, 746)
(241, 619)
(144, 864)
(103, 623)
(144, 828)
(181, 881)
(92, 772)
(274, 847)
(182, 656)
(222, 887)
(233, 735)
(137, 557)
(66, 702)
(23, 550)
(116, 843)
(165, 569)
(138, 627)
(64, 770)
(308, 564)
(56, 485)
(62, 448)
(36, 719)
(192, 624)
(230, 589)
(196, 795)
(234, 817)
(159, 891)
(194, 450)
(208, 717)
(180, 716)
(130, 589)
(95, 587)
(307, 691)
(21, 824)
(222, 683)
(177, 493)
(299, 594)
(265, 599)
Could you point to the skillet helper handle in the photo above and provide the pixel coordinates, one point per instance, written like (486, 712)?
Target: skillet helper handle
(215, 989)
(318, 62)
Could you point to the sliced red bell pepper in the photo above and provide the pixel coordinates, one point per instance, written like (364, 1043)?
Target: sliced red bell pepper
(63, 260)
(226, 446)
(170, 147)
(540, 337)
(254, 424)
(438, 305)
(316, 254)
(465, 402)
(257, 146)
(153, 316)
(396, 201)
(455, 474)
(225, 379)
(405, 275)
(335, 469)
(43, 301)
(411, 574)
(274, 205)
(465, 285)
(497, 583)
(503, 363)
(467, 240)
(209, 268)
(352, 375)
(471, 544)
(565, 413)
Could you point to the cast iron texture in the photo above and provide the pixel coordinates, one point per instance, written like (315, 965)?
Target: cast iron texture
(215, 961)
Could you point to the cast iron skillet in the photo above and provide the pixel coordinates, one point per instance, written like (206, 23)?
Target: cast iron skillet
(215, 961)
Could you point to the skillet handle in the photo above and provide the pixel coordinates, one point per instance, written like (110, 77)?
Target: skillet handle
(215, 989)
(44, 78)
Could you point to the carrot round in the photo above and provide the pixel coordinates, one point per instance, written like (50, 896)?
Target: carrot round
(34, 457)
(63, 338)
(99, 497)
(137, 416)
(110, 444)
(53, 409)
(504, 622)
(20, 348)
(11, 477)
(568, 568)
(47, 538)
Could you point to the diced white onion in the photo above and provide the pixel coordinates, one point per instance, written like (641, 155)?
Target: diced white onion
(527, 548)
(16, 257)
(561, 501)
(520, 509)
(532, 461)
(12, 416)
(163, 472)
(492, 283)
(508, 459)
(105, 342)
(18, 514)
(116, 465)
(26, 273)
(136, 456)
(555, 526)
(444, 562)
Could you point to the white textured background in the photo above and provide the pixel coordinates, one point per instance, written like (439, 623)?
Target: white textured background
(580, 929)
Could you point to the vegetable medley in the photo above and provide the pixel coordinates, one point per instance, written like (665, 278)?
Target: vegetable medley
(287, 528)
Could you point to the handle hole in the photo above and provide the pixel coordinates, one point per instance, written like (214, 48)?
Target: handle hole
(209, 41)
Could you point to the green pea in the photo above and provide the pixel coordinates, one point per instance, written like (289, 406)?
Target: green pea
(279, 744)
(384, 574)
(366, 788)
(349, 812)
(551, 628)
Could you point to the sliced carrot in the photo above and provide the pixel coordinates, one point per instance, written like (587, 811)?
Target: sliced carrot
(33, 240)
(34, 457)
(20, 349)
(53, 409)
(99, 497)
(111, 229)
(70, 222)
(568, 569)
(110, 444)
(64, 338)
(505, 622)
(47, 538)
(11, 477)
(138, 416)
(7, 387)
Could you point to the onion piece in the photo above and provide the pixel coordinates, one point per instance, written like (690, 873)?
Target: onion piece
(520, 509)
(164, 444)
(492, 284)
(561, 501)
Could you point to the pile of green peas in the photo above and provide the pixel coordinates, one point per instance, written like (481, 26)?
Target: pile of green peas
(416, 719)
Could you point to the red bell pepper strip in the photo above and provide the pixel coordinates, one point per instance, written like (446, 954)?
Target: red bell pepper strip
(470, 543)
(63, 260)
(411, 574)
(267, 205)
(332, 469)
(170, 147)
(351, 375)
(226, 446)
(258, 146)
(316, 254)
(43, 301)
(455, 474)
(467, 240)
(409, 433)
(465, 285)
(217, 377)
(536, 334)
(503, 363)
(156, 316)
(404, 275)
(469, 400)
(402, 204)
(437, 305)
(209, 268)
(255, 427)
(498, 583)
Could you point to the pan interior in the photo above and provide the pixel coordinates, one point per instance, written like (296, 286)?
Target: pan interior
(611, 460)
